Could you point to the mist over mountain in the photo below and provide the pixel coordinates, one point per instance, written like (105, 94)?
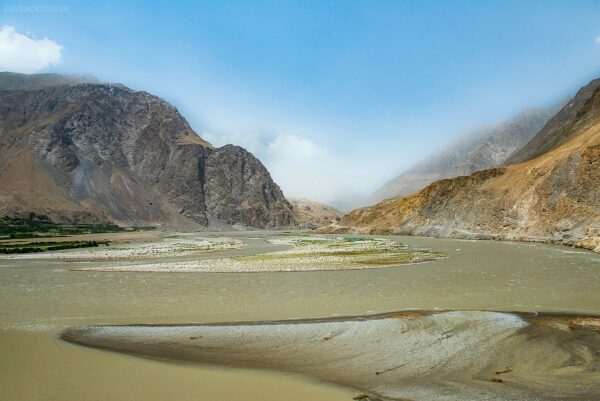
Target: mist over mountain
(552, 197)
(561, 127)
(480, 149)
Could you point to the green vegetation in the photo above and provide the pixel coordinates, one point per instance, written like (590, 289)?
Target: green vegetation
(364, 257)
(41, 226)
(347, 250)
(306, 242)
(34, 247)
(292, 234)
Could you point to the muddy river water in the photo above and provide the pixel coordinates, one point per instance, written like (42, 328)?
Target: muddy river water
(41, 298)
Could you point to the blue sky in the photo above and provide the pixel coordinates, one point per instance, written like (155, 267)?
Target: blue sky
(335, 97)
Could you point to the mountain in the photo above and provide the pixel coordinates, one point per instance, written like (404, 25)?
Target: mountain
(96, 152)
(16, 81)
(560, 128)
(554, 197)
(482, 149)
(310, 214)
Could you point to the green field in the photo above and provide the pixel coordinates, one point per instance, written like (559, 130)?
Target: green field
(35, 247)
(41, 226)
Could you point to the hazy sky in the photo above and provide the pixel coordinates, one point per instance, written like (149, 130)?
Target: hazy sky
(334, 97)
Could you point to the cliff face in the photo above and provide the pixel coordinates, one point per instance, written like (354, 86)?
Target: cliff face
(483, 149)
(554, 197)
(104, 152)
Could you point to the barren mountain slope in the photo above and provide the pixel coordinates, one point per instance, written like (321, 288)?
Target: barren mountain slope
(554, 197)
(103, 152)
(310, 214)
(560, 128)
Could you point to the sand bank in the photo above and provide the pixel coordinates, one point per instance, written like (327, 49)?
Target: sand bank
(308, 254)
(442, 356)
(174, 245)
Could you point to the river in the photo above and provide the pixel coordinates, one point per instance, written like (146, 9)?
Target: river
(39, 299)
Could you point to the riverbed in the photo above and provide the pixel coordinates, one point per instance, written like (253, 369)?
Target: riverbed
(41, 298)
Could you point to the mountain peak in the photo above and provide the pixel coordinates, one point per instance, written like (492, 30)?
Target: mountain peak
(81, 151)
(559, 128)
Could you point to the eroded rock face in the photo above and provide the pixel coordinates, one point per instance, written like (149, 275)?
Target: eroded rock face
(126, 156)
(233, 174)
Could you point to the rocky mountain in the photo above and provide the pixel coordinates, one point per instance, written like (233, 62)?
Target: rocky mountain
(103, 152)
(553, 197)
(560, 128)
(479, 150)
(310, 214)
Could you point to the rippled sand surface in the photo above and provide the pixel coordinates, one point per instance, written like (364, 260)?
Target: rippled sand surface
(443, 356)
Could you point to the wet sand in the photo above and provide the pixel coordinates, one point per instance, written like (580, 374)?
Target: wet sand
(468, 355)
(37, 366)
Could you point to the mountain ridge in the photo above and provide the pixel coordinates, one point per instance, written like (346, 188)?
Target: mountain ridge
(104, 152)
(17, 81)
(483, 148)
(553, 197)
(556, 131)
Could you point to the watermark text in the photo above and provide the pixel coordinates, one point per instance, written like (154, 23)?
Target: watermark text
(37, 9)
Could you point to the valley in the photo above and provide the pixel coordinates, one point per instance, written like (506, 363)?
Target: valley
(122, 229)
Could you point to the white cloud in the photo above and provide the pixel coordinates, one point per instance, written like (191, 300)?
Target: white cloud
(597, 41)
(278, 146)
(303, 168)
(292, 147)
(254, 143)
(26, 54)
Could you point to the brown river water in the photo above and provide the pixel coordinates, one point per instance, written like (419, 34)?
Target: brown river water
(39, 299)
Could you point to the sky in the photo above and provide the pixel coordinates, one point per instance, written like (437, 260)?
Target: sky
(334, 97)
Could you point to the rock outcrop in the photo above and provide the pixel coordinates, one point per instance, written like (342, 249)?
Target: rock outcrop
(310, 214)
(482, 149)
(554, 197)
(103, 152)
